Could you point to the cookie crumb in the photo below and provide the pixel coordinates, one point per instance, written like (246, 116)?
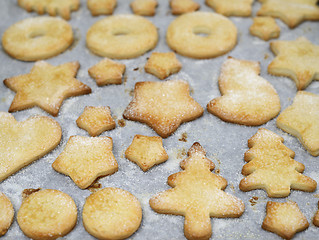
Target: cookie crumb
(95, 187)
(181, 153)
(121, 122)
(266, 56)
(27, 192)
(183, 137)
(136, 69)
(217, 171)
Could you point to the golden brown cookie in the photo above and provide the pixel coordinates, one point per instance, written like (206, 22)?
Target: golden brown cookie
(265, 28)
(46, 86)
(96, 120)
(107, 72)
(144, 7)
(201, 35)
(24, 142)
(197, 194)
(296, 59)
(146, 151)
(85, 159)
(284, 219)
(183, 6)
(53, 7)
(301, 120)
(162, 65)
(291, 12)
(111, 213)
(7, 213)
(163, 105)
(316, 218)
(241, 8)
(37, 38)
(271, 167)
(122, 36)
(101, 7)
(247, 98)
(47, 214)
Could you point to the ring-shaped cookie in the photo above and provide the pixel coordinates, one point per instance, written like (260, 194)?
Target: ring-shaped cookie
(122, 36)
(37, 38)
(201, 35)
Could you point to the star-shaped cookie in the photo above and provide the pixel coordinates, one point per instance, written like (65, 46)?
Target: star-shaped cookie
(144, 7)
(163, 105)
(101, 7)
(284, 219)
(107, 72)
(162, 65)
(301, 120)
(183, 6)
(240, 8)
(291, 12)
(86, 158)
(46, 86)
(96, 120)
(265, 28)
(146, 151)
(297, 59)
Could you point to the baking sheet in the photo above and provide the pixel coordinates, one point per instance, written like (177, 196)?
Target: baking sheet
(225, 143)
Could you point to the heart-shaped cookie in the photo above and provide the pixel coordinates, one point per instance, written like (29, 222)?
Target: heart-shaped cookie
(23, 142)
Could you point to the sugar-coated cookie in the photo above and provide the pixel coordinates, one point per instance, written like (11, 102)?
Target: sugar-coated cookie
(96, 120)
(37, 38)
(53, 7)
(291, 12)
(301, 120)
(163, 105)
(6, 214)
(47, 214)
(197, 194)
(296, 59)
(46, 86)
(111, 213)
(146, 151)
(107, 72)
(101, 7)
(271, 167)
(85, 159)
(24, 142)
(240, 8)
(183, 6)
(264, 28)
(162, 65)
(122, 36)
(184, 35)
(144, 7)
(284, 219)
(247, 98)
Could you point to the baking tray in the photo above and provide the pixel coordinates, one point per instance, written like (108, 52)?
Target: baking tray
(225, 143)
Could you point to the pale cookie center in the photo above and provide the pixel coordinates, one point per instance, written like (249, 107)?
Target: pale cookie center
(202, 31)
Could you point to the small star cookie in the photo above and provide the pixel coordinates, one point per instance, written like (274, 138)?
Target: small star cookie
(6, 214)
(291, 12)
(107, 72)
(247, 98)
(47, 214)
(101, 7)
(183, 6)
(162, 65)
(301, 120)
(96, 120)
(240, 8)
(146, 151)
(53, 7)
(144, 7)
(316, 218)
(265, 28)
(298, 60)
(46, 86)
(284, 219)
(86, 158)
(163, 105)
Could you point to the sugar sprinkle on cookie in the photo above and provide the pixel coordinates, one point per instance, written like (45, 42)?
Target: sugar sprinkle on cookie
(162, 65)
(6, 214)
(146, 151)
(164, 106)
(46, 86)
(85, 159)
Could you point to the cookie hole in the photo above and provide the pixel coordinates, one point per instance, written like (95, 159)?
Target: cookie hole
(120, 33)
(202, 31)
(35, 35)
